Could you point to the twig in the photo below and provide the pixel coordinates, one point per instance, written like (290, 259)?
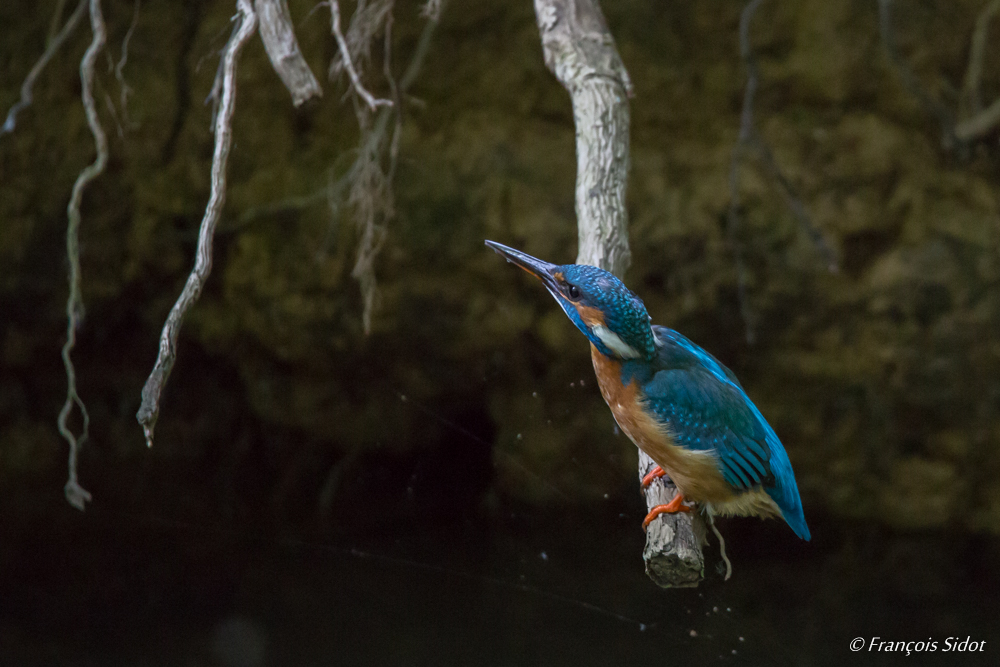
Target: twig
(151, 392)
(345, 53)
(76, 495)
(54, 44)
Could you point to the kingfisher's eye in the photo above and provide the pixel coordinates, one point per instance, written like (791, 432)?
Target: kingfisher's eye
(573, 292)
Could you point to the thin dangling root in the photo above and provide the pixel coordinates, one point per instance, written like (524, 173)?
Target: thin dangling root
(722, 545)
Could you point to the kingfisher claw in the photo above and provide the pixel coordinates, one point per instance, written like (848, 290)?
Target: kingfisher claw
(653, 474)
(674, 506)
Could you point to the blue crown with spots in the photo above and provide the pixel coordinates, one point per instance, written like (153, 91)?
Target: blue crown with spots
(622, 313)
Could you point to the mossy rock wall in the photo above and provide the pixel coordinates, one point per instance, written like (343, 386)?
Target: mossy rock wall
(881, 378)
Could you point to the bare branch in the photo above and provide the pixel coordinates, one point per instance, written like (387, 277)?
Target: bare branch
(76, 495)
(282, 48)
(345, 54)
(54, 44)
(151, 392)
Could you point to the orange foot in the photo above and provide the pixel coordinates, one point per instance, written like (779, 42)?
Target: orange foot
(653, 474)
(674, 506)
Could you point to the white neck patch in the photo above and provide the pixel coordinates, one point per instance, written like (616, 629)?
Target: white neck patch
(614, 343)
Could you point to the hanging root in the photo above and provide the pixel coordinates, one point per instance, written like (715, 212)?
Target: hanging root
(56, 39)
(246, 24)
(722, 545)
(370, 177)
(76, 495)
(126, 90)
(364, 26)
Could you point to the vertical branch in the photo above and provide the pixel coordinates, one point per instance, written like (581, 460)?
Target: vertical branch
(76, 495)
(580, 51)
(151, 392)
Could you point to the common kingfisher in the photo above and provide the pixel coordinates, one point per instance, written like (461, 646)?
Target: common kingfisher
(674, 400)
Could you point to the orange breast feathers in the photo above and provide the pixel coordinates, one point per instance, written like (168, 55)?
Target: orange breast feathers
(696, 474)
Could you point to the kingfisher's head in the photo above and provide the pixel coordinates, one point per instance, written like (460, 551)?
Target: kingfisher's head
(608, 314)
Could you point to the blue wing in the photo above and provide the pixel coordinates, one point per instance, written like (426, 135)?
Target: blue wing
(705, 413)
(705, 407)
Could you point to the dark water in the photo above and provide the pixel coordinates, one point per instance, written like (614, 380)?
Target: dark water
(497, 586)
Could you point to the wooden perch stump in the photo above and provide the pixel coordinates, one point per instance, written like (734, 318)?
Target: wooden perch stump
(673, 541)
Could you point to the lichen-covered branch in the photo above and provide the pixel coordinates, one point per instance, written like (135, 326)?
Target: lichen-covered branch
(76, 495)
(278, 35)
(151, 392)
(580, 51)
(53, 46)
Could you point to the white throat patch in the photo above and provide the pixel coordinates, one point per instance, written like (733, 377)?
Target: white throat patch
(614, 343)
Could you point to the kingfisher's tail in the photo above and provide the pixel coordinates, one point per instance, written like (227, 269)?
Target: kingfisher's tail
(785, 492)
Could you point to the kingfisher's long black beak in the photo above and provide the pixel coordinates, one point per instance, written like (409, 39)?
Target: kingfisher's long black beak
(544, 271)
